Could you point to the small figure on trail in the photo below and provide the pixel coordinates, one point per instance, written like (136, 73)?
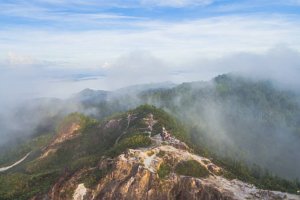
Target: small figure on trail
(164, 134)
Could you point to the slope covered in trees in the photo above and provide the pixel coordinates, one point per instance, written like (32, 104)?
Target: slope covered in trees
(238, 119)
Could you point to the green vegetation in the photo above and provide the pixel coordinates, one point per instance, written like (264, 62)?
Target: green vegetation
(257, 176)
(93, 177)
(36, 176)
(164, 170)
(13, 185)
(133, 142)
(23, 186)
(170, 123)
(15, 153)
(191, 168)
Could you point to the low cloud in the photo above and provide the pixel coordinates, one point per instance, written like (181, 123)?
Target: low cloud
(138, 67)
(280, 64)
(23, 80)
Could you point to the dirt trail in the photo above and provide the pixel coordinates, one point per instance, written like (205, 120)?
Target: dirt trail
(3, 169)
(128, 123)
(150, 122)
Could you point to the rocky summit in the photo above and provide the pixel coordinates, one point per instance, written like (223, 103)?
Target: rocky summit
(154, 173)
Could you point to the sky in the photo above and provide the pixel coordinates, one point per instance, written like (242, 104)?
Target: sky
(55, 48)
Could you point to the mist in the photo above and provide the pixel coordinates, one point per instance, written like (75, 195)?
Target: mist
(241, 130)
(34, 99)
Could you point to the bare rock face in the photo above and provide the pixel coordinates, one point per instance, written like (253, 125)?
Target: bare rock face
(67, 133)
(130, 180)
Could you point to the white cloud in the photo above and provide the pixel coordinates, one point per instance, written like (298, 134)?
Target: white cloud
(138, 67)
(14, 58)
(290, 2)
(174, 42)
(31, 11)
(176, 3)
(132, 3)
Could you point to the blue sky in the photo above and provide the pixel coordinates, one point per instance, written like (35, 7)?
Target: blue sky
(62, 14)
(50, 43)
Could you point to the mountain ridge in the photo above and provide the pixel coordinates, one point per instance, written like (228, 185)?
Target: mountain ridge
(116, 157)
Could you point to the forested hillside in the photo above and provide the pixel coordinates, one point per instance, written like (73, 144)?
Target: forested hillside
(251, 126)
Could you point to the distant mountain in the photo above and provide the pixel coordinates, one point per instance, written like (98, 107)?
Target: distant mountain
(145, 87)
(93, 96)
(88, 96)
